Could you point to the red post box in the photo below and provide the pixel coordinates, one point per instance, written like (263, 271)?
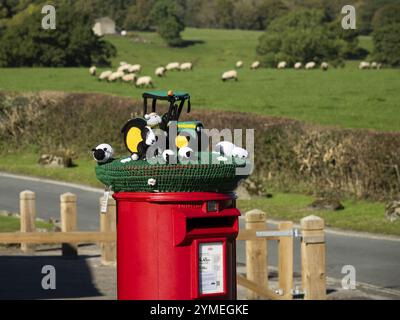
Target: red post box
(176, 246)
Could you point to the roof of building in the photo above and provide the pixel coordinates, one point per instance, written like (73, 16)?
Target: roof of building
(104, 20)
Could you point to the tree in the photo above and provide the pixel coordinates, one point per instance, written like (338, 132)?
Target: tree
(138, 15)
(302, 36)
(268, 11)
(115, 9)
(389, 14)
(386, 35)
(366, 12)
(224, 13)
(73, 43)
(246, 14)
(168, 16)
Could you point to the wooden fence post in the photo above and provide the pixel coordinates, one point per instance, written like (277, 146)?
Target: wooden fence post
(285, 263)
(68, 222)
(313, 258)
(108, 223)
(27, 204)
(256, 252)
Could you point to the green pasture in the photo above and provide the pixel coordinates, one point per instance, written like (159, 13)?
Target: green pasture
(344, 97)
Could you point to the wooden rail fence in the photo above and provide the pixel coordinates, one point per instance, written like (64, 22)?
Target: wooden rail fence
(312, 239)
(69, 237)
(256, 280)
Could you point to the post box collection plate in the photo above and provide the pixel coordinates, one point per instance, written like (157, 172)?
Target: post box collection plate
(211, 268)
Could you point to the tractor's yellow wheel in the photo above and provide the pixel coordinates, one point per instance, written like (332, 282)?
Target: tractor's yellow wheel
(181, 142)
(133, 138)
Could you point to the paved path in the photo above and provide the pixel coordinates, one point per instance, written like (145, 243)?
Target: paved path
(376, 261)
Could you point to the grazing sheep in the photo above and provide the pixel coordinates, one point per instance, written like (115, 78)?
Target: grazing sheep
(136, 68)
(124, 68)
(374, 65)
(324, 66)
(282, 65)
(172, 66)
(239, 64)
(104, 75)
(115, 76)
(122, 63)
(230, 75)
(93, 71)
(144, 82)
(298, 65)
(160, 72)
(131, 77)
(124, 33)
(255, 65)
(186, 66)
(364, 65)
(310, 65)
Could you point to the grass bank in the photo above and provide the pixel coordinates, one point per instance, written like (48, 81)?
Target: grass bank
(361, 216)
(12, 224)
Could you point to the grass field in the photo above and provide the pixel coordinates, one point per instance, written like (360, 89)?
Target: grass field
(358, 215)
(12, 224)
(341, 97)
(26, 164)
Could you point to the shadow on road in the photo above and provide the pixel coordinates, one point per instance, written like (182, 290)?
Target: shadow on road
(21, 278)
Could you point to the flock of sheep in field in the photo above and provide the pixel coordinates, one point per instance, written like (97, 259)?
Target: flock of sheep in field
(129, 73)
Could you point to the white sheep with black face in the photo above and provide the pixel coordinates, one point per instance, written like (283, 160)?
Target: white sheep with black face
(160, 72)
(282, 65)
(103, 153)
(310, 65)
(230, 75)
(145, 81)
(228, 149)
(185, 153)
(225, 148)
(172, 66)
(167, 155)
(153, 119)
(298, 65)
(150, 137)
(93, 71)
(240, 153)
(255, 65)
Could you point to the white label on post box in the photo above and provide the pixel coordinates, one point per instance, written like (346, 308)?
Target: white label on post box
(104, 201)
(211, 268)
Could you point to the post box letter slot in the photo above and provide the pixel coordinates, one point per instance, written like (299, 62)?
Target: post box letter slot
(209, 223)
(188, 227)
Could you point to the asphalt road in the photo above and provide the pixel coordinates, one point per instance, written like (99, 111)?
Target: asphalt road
(48, 199)
(377, 261)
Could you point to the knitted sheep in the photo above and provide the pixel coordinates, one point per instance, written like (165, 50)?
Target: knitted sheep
(103, 153)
